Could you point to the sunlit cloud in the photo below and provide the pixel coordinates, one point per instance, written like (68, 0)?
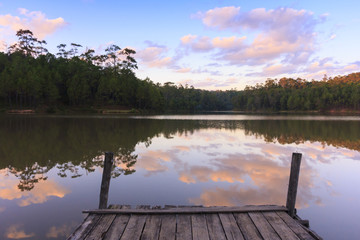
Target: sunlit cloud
(183, 70)
(319, 67)
(220, 18)
(204, 44)
(14, 232)
(281, 33)
(210, 82)
(279, 41)
(270, 178)
(155, 56)
(61, 231)
(35, 21)
(41, 193)
(153, 161)
(183, 148)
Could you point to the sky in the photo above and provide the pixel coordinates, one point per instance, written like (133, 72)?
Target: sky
(209, 44)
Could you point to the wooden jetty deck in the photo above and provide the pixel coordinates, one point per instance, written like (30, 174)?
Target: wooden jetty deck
(170, 222)
(205, 223)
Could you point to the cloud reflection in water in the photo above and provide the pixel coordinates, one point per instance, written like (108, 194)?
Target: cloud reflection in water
(239, 170)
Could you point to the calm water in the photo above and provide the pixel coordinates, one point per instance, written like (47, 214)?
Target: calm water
(50, 167)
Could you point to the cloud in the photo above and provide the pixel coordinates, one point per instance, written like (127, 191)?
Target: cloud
(62, 231)
(318, 67)
(153, 161)
(9, 190)
(197, 44)
(14, 232)
(200, 83)
(269, 177)
(209, 82)
(283, 35)
(183, 70)
(205, 44)
(154, 56)
(276, 69)
(221, 18)
(35, 21)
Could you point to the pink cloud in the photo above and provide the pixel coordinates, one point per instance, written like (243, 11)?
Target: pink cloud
(154, 56)
(183, 70)
(35, 21)
(204, 44)
(14, 232)
(283, 35)
(221, 17)
(197, 44)
(317, 68)
(228, 42)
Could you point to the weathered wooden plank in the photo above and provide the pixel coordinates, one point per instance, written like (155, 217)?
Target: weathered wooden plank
(230, 226)
(152, 227)
(85, 228)
(247, 227)
(295, 226)
(215, 227)
(168, 227)
(134, 227)
(280, 226)
(263, 226)
(103, 225)
(199, 227)
(244, 209)
(118, 225)
(183, 230)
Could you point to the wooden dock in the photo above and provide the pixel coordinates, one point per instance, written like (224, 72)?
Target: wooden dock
(185, 222)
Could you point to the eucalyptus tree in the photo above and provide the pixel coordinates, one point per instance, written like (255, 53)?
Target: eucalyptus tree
(28, 44)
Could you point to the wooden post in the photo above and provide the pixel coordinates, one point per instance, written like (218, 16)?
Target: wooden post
(293, 183)
(105, 182)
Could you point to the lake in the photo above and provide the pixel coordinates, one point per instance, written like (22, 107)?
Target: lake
(51, 167)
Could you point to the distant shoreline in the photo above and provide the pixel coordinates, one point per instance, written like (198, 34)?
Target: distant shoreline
(122, 111)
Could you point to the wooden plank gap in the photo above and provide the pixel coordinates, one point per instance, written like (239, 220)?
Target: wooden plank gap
(231, 228)
(85, 228)
(295, 226)
(280, 226)
(263, 226)
(247, 226)
(183, 227)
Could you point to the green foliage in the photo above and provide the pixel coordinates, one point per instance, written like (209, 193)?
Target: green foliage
(32, 77)
(338, 93)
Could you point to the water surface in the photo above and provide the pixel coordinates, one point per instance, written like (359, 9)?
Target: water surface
(50, 167)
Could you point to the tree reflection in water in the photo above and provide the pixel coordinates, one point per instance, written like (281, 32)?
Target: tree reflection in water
(30, 145)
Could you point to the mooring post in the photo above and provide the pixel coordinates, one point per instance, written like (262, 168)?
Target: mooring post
(293, 183)
(105, 182)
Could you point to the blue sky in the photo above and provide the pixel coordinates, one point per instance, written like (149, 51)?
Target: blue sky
(215, 44)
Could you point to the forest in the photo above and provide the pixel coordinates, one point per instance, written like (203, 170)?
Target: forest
(33, 78)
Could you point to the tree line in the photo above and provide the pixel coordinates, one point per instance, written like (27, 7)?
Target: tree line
(288, 94)
(32, 77)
